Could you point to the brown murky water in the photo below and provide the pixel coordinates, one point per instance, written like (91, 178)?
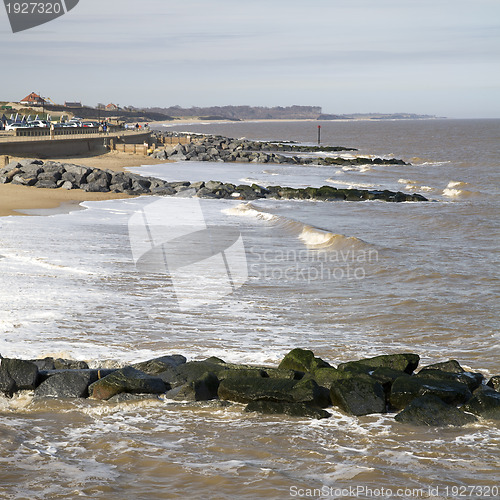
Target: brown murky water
(427, 283)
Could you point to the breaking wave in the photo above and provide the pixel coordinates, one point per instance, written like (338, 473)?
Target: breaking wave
(313, 237)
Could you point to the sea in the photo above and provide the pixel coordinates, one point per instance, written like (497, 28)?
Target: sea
(346, 280)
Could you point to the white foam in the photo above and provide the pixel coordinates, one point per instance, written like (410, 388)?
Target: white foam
(312, 237)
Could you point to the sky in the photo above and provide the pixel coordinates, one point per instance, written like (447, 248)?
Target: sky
(437, 57)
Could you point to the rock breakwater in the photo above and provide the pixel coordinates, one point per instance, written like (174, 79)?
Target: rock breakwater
(302, 385)
(224, 149)
(58, 175)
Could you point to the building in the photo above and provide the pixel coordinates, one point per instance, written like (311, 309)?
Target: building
(73, 104)
(33, 100)
(112, 107)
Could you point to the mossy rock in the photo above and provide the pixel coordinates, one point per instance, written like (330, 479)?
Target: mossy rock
(358, 395)
(406, 362)
(302, 360)
(431, 411)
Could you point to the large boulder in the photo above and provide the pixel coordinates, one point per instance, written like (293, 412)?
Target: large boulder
(290, 409)
(23, 372)
(406, 362)
(160, 364)
(127, 379)
(471, 380)
(302, 360)
(67, 384)
(358, 395)
(485, 403)
(431, 411)
(191, 371)
(247, 388)
(202, 389)
(405, 389)
(451, 370)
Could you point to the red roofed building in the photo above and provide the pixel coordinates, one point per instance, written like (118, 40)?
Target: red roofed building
(33, 100)
(112, 107)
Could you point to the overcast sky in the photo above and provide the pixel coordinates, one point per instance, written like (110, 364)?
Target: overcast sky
(439, 57)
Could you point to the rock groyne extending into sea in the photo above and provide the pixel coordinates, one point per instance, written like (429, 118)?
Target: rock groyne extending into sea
(225, 149)
(58, 175)
(302, 385)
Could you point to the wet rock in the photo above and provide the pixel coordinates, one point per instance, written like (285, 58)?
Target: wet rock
(23, 372)
(69, 364)
(246, 389)
(44, 364)
(290, 409)
(405, 389)
(431, 411)
(160, 364)
(7, 384)
(494, 383)
(472, 380)
(67, 384)
(358, 395)
(406, 362)
(191, 371)
(202, 389)
(127, 379)
(485, 403)
(302, 360)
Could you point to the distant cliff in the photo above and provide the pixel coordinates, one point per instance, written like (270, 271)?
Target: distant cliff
(243, 112)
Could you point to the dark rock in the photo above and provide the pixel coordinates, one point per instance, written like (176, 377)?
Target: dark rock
(127, 379)
(308, 391)
(95, 374)
(406, 362)
(203, 389)
(494, 382)
(244, 372)
(472, 380)
(326, 377)
(405, 389)
(70, 364)
(159, 365)
(44, 364)
(246, 389)
(191, 371)
(7, 383)
(431, 411)
(67, 384)
(485, 403)
(358, 395)
(302, 360)
(290, 409)
(23, 372)
(99, 186)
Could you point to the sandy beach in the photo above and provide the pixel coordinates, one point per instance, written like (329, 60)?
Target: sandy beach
(15, 198)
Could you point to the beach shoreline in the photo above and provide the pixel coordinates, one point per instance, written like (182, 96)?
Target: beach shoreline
(15, 199)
